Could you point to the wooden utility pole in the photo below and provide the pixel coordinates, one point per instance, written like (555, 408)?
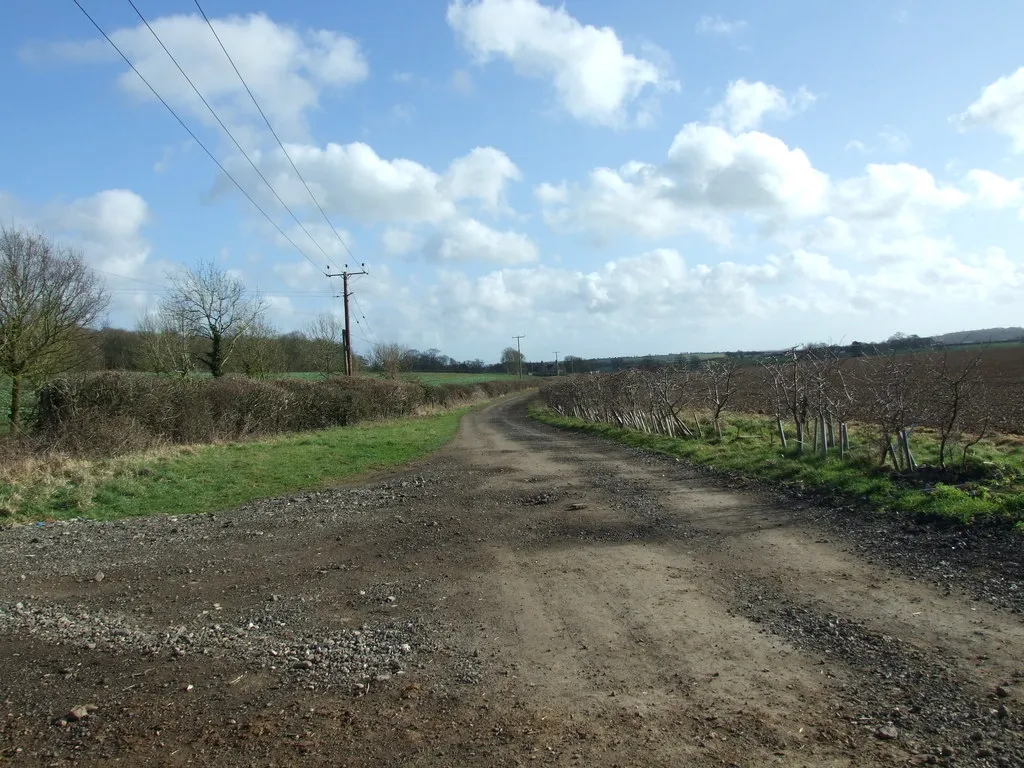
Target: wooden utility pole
(556, 363)
(519, 350)
(345, 274)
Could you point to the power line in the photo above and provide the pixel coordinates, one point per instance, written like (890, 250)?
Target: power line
(228, 132)
(162, 288)
(363, 315)
(272, 131)
(195, 138)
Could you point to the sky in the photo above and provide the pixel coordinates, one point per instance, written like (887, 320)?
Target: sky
(603, 178)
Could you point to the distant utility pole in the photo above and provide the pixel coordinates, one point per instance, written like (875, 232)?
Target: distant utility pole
(345, 274)
(556, 363)
(519, 349)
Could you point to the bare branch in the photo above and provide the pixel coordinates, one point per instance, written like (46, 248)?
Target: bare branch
(48, 298)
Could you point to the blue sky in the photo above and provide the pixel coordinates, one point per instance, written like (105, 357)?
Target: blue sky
(604, 178)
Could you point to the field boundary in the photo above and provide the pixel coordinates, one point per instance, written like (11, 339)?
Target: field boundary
(810, 477)
(214, 477)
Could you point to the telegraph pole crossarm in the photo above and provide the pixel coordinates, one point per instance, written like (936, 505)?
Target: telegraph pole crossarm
(345, 274)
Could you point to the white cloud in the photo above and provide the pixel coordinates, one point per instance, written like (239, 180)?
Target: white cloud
(752, 171)
(635, 199)
(990, 190)
(551, 194)
(397, 242)
(814, 267)
(1000, 107)
(285, 68)
(482, 174)
(336, 247)
(107, 228)
(467, 239)
(298, 274)
(899, 193)
(663, 297)
(747, 103)
(711, 174)
(708, 175)
(595, 79)
(352, 180)
(856, 145)
(716, 25)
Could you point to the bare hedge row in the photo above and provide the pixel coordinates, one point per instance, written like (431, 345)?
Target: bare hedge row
(812, 395)
(118, 412)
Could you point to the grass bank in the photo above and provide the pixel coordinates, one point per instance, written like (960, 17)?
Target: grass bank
(990, 490)
(210, 478)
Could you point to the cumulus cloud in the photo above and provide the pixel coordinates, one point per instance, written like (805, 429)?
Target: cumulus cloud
(662, 293)
(901, 193)
(746, 104)
(287, 69)
(482, 174)
(990, 190)
(635, 290)
(594, 78)
(749, 171)
(1000, 107)
(467, 239)
(634, 199)
(716, 175)
(708, 175)
(397, 242)
(108, 228)
(352, 180)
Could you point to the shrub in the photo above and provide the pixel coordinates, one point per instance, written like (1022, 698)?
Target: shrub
(118, 412)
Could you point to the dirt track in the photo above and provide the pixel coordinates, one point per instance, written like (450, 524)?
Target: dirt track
(527, 597)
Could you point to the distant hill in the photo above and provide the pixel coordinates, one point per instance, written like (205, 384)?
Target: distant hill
(982, 336)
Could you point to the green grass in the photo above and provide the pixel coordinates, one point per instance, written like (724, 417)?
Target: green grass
(218, 477)
(458, 378)
(995, 493)
(426, 378)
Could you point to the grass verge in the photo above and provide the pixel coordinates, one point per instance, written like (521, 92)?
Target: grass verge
(210, 478)
(994, 494)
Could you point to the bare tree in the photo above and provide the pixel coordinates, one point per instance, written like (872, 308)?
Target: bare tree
(893, 386)
(167, 342)
(217, 307)
(955, 388)
(391, 358)
(717, 378)
(48, 297)
(789, 376)
(259, 350)
(327, 332)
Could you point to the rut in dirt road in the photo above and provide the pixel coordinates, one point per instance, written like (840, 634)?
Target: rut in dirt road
(528, 596)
